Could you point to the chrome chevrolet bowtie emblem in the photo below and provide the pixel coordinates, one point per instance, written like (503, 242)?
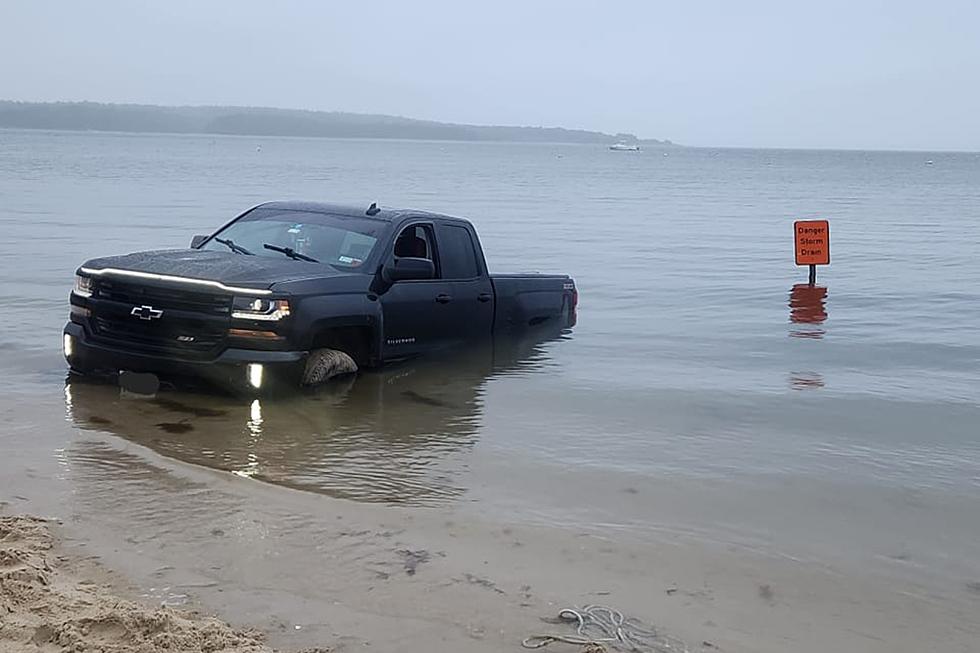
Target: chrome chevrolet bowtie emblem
(146, 312)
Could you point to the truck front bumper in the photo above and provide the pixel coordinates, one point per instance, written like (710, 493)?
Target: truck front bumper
(246, 369)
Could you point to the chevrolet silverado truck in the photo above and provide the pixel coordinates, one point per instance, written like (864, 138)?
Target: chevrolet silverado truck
(299, 292)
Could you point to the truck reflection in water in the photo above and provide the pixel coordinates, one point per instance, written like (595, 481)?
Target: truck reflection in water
(398, 435)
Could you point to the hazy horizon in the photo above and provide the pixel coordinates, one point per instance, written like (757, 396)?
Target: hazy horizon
(866, 75)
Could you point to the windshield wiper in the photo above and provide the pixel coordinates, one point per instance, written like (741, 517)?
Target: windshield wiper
(230, 244)
(290, 252)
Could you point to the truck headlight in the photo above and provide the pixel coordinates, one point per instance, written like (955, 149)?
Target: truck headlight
(259, 308)
(83, 286)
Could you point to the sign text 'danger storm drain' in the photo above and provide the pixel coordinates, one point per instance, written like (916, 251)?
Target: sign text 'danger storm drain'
(812, 242)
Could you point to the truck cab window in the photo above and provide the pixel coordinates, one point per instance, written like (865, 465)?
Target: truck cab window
(414, 242)
(456, 253)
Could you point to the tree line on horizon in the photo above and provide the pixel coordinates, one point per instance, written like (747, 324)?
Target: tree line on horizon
(255, 121)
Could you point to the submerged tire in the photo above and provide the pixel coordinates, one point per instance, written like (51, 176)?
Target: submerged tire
(80, 369)
(324, 364)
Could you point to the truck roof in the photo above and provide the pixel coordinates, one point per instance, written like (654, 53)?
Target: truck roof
(384, 213)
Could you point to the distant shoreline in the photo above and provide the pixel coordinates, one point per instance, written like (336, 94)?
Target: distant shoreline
(261, 121)
(116, 132)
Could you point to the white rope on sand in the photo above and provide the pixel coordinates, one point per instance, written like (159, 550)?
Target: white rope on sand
(599, 627)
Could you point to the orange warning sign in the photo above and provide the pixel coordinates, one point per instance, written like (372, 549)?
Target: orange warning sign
(812, 242)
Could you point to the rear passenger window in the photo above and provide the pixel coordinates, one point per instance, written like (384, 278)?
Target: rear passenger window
(456, 253)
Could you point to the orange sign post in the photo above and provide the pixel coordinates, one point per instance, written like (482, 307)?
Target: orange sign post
(812, 239)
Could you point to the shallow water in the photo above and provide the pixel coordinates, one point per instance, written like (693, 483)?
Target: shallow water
(401, 435)
(841, 421)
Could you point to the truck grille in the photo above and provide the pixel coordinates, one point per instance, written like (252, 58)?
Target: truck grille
(135, 294)
(186, 338)
(191, 324)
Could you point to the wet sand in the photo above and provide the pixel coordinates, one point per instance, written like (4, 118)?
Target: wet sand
(309, 570)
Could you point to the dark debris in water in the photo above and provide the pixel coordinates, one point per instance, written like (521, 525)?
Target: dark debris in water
(766, 593)
(95, 419)
(412, 559)
(483, 582)
(181, 407)
(175, 427)
(422, 399)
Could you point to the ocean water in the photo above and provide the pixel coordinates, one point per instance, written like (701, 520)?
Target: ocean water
(705, 391)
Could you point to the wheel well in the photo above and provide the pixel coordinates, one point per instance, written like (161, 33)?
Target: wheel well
(352, 340)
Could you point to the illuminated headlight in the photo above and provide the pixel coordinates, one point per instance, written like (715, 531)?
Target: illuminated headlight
(83, 286)
(254, 371)
(69, 345)
(259, 308)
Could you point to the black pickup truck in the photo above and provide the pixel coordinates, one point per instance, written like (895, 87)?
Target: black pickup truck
(298, 292)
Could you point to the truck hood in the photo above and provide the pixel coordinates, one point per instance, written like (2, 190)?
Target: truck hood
(223, 267)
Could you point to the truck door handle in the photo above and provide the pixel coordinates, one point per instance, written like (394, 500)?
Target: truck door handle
(444, 298)
(484, 297)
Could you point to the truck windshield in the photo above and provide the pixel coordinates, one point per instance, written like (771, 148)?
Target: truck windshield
(342, 241)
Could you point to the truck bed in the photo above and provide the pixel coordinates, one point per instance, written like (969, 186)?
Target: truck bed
(524, 300)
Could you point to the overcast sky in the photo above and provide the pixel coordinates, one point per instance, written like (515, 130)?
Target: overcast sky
(785, 73)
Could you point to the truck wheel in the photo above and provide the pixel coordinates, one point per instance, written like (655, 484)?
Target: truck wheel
(324, 364)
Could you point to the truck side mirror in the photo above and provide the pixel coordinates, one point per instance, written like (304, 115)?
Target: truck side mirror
(197, 241)
(408, 268)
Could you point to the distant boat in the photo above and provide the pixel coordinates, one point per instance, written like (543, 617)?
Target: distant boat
(624, 147)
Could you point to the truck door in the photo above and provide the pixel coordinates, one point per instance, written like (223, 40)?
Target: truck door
(472, 291)
(417, 314)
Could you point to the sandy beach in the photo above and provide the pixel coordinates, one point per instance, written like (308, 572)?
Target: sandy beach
(53, 602)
